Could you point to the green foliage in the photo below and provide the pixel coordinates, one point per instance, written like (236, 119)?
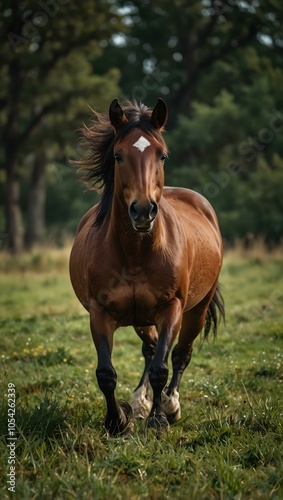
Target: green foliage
(49, 80)
(228, 442)
(54, 68)
(217, 64)
(239, 175)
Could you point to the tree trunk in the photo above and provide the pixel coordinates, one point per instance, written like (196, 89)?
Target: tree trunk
(36, 201)
(13, 213)
(14, 220)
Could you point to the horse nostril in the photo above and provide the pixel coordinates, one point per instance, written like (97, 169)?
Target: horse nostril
(133, 212)
(154, 210)
(143, 213)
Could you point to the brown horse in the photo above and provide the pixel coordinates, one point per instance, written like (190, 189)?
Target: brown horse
(145, 256)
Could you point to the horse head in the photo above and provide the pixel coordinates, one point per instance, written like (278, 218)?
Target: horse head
(139, 154)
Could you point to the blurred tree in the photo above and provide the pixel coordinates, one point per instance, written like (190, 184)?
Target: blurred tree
(219, 66)
(36, 200)
(47, 81)
(172, 47)
(232, 153)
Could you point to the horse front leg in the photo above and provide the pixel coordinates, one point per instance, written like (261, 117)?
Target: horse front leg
(168, 325)
(118, 416)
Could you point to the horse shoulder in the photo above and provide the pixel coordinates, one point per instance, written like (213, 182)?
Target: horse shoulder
(191, 203)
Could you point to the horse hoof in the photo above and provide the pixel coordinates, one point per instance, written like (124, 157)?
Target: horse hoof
(174, 417)
(158, 422)
(123, 423)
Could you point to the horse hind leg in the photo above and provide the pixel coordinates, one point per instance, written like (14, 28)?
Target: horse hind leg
(170, 397)
(169, 323)
(142, 401)
(193, 322)
(203, 314)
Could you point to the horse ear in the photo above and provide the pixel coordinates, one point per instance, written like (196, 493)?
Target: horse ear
(159, 114)
(116, 115)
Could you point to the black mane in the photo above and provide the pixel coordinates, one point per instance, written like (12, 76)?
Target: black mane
(100, 139)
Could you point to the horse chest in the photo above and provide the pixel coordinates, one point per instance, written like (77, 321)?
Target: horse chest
(132, 299)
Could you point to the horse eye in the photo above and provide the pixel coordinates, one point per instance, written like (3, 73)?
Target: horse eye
(117, 158)
(164, 157)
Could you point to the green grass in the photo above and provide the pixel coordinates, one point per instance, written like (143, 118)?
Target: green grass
(228, 444)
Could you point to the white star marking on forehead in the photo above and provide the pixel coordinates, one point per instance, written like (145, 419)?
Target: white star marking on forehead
(141, 144)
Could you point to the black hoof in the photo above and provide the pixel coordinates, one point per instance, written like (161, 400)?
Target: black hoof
(122, 424)
(158, 422)
(174, 417)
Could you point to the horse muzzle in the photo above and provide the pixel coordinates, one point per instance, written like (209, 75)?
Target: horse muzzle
(143, 216)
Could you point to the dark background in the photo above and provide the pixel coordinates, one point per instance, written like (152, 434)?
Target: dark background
(218, 65)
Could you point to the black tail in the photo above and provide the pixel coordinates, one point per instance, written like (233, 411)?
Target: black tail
(216, 311)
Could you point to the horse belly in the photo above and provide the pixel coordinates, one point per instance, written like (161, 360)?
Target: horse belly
(203, 277)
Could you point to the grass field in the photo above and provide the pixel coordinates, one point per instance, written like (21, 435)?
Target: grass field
(228, 444)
